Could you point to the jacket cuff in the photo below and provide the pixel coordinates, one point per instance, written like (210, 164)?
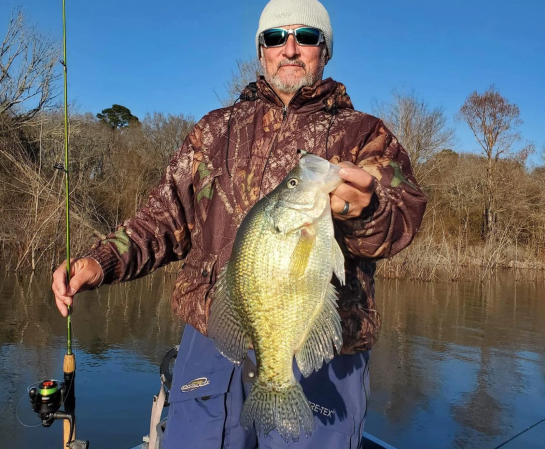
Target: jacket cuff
(107, 260)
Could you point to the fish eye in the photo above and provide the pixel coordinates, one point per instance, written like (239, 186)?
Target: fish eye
(292, 183)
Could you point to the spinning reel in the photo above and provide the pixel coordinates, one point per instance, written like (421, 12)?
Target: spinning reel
(47, 398)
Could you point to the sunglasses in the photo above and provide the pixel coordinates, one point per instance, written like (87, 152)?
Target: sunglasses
(277, 37)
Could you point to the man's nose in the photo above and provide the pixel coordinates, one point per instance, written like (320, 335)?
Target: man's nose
(291, 49)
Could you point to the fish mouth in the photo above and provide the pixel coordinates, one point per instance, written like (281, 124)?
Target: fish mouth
(319, 170)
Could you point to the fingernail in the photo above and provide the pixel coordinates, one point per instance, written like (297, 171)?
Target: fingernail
(343, 172)
(70, 291)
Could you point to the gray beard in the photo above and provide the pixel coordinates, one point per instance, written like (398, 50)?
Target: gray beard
(310, 79)
(290, 88)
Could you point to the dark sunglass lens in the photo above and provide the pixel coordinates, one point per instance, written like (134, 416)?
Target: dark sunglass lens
(308, 36)
(273, 38)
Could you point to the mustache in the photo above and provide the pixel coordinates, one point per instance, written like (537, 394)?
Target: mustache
(292, 62)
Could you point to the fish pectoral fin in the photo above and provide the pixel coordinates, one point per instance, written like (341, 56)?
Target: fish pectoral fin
(338, 261)
(301, 253)
(324, 336)
(225, 325)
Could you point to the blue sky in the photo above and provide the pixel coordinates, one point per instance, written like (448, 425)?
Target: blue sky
(173, 56)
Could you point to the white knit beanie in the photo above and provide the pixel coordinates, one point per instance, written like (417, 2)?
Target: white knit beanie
(311, 13)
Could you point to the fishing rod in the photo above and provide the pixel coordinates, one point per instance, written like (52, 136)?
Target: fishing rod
(47, 397)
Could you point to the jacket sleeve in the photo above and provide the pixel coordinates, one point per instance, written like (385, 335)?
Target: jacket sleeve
(160, 232)
(391, 221)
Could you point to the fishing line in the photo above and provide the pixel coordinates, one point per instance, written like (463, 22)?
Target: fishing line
(25, 396)
(520, 433)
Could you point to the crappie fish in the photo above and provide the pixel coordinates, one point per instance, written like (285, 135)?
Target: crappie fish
(276, 293)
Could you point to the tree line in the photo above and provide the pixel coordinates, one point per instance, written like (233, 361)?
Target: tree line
(486, 210)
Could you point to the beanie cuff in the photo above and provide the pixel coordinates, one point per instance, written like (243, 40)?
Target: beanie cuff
(311, 13)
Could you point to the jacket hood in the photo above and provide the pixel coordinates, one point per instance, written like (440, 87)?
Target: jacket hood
(328, 95)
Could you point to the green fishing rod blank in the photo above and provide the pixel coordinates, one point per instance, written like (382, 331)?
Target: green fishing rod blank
(66, 174)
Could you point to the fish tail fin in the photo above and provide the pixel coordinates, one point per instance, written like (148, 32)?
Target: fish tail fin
(286, 411)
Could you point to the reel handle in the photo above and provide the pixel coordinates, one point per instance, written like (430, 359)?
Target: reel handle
(78, 444)
(72, 444)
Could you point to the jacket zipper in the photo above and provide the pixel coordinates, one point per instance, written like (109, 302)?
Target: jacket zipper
(271, 149)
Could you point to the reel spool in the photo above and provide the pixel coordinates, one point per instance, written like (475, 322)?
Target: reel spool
(47, 399)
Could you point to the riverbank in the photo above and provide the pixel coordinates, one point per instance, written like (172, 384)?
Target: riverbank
(423, 261)
(435, 256)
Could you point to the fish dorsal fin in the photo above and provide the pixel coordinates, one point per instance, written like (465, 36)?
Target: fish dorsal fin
(301, 253)
(225, 325)
(324, 336)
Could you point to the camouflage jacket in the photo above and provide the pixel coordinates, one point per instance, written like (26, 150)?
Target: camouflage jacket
(236, 155)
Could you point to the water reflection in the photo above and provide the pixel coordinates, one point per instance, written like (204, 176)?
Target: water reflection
(135, 315)
(457, 365)
(120, 336)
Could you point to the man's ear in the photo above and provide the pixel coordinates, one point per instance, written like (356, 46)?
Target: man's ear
(324, 49)
(262, 58)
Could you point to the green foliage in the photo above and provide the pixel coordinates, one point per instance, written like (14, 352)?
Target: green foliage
(117, 117)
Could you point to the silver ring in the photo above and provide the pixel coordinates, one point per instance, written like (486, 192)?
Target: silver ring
(345, 208)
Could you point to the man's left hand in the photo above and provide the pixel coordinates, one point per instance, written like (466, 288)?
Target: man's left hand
(357, 191)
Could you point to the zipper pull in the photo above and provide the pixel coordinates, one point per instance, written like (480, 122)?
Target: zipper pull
(285, 112)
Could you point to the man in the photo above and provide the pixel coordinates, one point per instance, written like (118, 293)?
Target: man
(230, 160)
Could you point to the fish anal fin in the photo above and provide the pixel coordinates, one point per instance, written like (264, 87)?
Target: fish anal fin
(301, 252)
(323, 338)
(225, 325)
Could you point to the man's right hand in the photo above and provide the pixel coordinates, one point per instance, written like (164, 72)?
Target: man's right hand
(85, 274)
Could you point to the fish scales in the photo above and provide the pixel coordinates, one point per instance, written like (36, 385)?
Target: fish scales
(276, 293)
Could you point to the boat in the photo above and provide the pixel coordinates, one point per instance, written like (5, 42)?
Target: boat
(368, 442)
(160, 400)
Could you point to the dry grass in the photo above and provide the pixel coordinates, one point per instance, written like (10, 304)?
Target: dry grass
(429, 260)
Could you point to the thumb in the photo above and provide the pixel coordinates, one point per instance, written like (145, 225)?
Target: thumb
(77, 277)
(75, 284)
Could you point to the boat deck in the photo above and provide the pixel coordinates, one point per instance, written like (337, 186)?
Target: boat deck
(369, 442)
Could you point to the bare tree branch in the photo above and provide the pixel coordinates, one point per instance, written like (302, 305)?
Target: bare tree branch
(248, 71)
(493, 121)
(27, 70)
(422, 131)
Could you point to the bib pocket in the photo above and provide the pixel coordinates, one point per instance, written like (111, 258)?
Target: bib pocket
(198, 395)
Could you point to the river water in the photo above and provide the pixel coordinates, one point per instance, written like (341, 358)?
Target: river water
(457, 365)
